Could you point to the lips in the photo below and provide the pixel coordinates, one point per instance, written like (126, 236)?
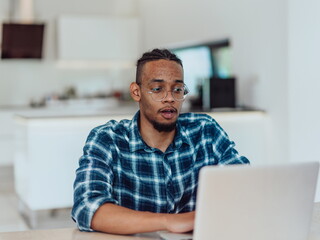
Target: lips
(168, 113)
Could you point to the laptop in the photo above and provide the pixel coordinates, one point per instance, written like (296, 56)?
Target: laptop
(254, 203)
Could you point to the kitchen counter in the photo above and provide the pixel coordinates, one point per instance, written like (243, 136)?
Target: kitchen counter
(76, 113)
(123, 110)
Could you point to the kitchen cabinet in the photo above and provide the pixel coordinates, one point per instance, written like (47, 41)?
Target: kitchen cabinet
(98, 38)
(7, 129)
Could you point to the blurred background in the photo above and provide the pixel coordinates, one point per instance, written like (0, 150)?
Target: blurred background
(68, 65)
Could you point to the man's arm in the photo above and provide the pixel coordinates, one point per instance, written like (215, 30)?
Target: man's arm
(115, 219)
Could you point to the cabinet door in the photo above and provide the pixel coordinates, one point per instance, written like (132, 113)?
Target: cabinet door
(6, 137)
(85, 38)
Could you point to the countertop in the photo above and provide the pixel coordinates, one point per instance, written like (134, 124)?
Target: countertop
(76, 108)
(122, 110)
(76, 113)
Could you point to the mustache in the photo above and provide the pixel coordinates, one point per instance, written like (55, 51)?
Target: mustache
(168, 109)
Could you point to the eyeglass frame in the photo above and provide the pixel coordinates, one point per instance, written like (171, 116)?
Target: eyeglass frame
(185, 93)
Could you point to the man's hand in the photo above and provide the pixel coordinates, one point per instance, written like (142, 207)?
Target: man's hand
(179, 223)
(111, 218)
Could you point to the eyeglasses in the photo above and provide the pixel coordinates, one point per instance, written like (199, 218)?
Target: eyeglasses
(159, 93)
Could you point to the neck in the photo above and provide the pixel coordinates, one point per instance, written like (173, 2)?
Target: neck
(154, 138)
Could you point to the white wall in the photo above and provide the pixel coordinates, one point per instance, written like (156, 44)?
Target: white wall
(23, 80)
(258, 33)
(304, 85)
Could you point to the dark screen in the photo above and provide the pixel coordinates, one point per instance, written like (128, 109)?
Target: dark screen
(22, 40)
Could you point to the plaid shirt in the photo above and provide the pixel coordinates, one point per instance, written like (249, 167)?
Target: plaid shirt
(118, 167)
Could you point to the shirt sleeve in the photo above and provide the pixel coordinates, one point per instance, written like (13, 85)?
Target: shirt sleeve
(94, 179)
(223, 147)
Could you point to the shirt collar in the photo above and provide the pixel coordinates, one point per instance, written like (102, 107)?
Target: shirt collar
(181, 136)
(136, 142)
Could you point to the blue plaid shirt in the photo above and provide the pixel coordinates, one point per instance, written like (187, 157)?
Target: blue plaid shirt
(118, 167)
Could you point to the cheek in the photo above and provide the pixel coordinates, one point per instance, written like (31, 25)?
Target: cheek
(146, 105)
(178, 105)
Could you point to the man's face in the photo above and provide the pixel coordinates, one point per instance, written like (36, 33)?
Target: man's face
(166, 75)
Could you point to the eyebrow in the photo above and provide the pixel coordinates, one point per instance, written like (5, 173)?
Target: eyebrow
(161, 80)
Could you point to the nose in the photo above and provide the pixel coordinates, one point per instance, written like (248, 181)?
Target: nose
(169, 97)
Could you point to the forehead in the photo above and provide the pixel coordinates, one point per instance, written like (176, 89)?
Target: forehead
(162, 70)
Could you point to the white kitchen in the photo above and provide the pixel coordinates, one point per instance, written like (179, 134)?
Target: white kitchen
(49, 104)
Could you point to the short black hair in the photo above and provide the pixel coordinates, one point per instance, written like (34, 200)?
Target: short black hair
(155, 54)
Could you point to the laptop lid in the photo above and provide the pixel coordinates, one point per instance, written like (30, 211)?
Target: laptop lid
(254, 202)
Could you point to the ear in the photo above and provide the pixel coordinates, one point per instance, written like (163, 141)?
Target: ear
(135, 92)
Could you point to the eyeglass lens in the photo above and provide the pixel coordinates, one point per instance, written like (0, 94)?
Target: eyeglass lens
(160, 93)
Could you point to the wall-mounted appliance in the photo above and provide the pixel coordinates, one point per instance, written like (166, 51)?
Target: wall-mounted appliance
(22, 36)
(22, 41)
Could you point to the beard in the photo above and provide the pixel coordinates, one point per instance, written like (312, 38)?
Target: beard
(161, 127)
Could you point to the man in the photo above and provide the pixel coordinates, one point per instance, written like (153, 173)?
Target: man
(141, 175)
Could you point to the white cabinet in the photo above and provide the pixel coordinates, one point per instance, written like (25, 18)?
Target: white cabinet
(6, 137)
(249, 131)
(47, 151)
(98, 38)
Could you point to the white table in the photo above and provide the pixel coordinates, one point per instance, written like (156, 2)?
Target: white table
(74, 234)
